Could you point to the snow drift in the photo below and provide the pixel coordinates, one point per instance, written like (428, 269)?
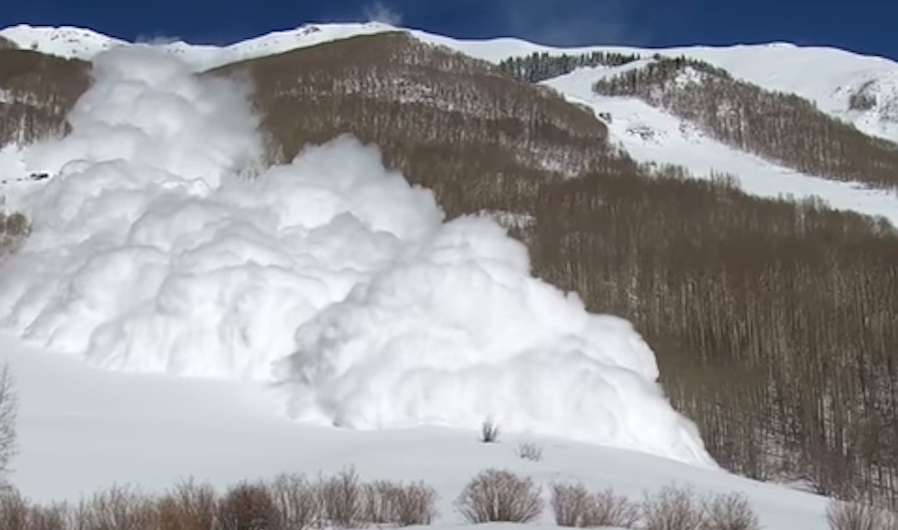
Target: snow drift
(157, 247)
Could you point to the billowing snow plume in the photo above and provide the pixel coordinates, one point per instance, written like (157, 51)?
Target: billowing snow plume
(156, 248)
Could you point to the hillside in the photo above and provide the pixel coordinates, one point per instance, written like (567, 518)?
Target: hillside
(36, 92)
(771, 320)
(758, 121)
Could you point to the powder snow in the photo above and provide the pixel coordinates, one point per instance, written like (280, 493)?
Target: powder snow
(162, 245)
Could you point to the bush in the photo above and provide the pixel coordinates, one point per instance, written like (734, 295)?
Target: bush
(576, 506)
(672, 509)
(500, 496)
(530, 451)
(297, 501)
(378, 502)
(53, 517)
(342, 500)
(570, 504)
(730, 512)
(414, 504)
(842, 515)
(399, 504)
(189, 506)
(489, 432)
(14, 511)
(119, 508)
(247, 506)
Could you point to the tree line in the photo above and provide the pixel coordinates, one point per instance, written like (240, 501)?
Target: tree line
(538, 66)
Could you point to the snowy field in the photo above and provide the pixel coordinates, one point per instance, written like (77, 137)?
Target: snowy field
(84, 428)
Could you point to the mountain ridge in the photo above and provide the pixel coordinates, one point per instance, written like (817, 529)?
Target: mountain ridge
(828, 76)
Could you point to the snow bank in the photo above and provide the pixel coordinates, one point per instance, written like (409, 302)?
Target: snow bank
(155, 248)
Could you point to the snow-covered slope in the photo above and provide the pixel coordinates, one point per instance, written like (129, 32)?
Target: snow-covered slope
(64, 41)
(85, 44)
(828, 76)
(83, 429)
(652, 135)
(150, 252)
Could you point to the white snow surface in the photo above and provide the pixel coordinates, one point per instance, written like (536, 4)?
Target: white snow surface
(827, 76)
(159, 246)
(82, 429)
(649, 134)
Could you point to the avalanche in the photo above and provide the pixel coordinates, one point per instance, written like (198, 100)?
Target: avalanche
(161, 246)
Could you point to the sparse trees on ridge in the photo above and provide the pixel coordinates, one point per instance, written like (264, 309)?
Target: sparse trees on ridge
(538, 66)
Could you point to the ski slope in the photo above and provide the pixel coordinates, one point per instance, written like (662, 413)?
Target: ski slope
(82, 428)
(827, 76)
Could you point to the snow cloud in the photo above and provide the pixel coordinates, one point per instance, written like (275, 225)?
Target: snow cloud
(384, 13)
(160, 245)
(580, 22)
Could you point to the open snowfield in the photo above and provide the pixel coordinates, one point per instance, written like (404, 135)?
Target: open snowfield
(83, 428)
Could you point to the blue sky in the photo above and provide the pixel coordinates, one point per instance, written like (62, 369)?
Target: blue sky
(865, 26)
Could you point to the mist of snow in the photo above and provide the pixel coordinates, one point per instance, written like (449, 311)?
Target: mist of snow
(160, 246)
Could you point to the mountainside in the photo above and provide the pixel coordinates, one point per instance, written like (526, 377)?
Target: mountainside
(858, 89)
(182, 222)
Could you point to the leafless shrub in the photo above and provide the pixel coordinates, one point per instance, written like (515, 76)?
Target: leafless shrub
(342, 499)
(608, 509)
(9, 406)
(500, 496)
(841, 515)
(730, 512)
(53, 517)
(672, 509)
(399, 504)
(189, 506)
(297, 501)
(530, 451)
(378, 502)
(14, 510)
(119, 508)
(570, 504)
(247, 506)
(489, 432)
(414, 504)
(576, 506)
